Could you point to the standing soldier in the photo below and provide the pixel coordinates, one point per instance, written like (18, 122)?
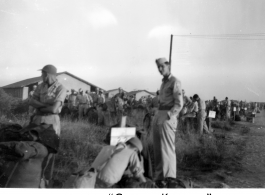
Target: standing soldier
(227, 108)
(48, 100)
(101, 98)
(165, 126)
(155, 103)
(72, 100)
(201, 115)
(31, 108)
(89, 103)
(82, 103)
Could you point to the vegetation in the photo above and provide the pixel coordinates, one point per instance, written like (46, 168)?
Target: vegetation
(81, 142)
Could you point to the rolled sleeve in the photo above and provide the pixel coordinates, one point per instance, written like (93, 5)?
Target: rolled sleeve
(36, 94)
(60, 94)
(178, 100)
(135, 165)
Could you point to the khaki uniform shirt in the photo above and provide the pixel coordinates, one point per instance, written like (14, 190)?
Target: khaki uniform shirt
(171, 95)
(101, 99)
(201, 105)
(84, 99)
(114, 169)
(72, 99)
(50, 95)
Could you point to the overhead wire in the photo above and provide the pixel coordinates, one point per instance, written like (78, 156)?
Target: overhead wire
(249, 36)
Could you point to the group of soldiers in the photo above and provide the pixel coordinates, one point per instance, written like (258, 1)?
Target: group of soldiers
(35, 148)
(83, 101)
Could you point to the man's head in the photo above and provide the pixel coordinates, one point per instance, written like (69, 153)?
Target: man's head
(81, 91)
(157, 92)
(226, 98)
(214, 97)
(135, 143)
(48, 74)
(195, 98)
(34, 87)
(100, 91)
(120, 90)
(163, 66)
(72, 91)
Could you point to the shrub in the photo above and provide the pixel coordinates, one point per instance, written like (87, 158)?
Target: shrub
(8, 103)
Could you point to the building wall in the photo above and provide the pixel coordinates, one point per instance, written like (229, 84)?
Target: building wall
(112, 93)
(71, 83)
(142, 93)
(21, 92)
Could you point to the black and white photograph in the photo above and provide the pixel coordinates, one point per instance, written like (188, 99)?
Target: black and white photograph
(119, 94)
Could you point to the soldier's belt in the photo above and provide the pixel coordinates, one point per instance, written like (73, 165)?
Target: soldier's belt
(45, 114)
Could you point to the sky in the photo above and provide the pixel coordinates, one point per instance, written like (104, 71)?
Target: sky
(114, 43)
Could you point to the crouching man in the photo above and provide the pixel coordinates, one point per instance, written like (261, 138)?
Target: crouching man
(125, 156)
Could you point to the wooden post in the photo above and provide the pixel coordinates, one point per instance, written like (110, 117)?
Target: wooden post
(123, 121)
(170, 50)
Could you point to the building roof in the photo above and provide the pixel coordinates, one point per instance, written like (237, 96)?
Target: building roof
(114, 90)
(138, 91)
(30, 81)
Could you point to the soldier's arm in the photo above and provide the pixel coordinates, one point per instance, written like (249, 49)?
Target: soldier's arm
(178, 100)
(59, 99)
(136, 167)
(35, 100)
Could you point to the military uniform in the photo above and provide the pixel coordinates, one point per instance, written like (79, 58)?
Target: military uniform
(72, 101)
(201, 116)
(112, 171)
(49, 95)
(165, 126)
(84, 102)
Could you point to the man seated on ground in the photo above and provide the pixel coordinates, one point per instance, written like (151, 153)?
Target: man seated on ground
(125, 155)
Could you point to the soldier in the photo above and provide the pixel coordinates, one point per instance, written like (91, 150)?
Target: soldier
(126, 155)
(31, 108)
(48, 100)
(89, 101)
(165, 126)
(82, 102)
(101, 98)
(201, 115)
(227, 108)
(72, 100)
(155, 103)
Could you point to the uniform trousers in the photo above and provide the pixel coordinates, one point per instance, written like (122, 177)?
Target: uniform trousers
(202, 126)
(164, 145)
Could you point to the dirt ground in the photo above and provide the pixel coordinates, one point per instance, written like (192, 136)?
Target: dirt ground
(252, 171)
(253, 174)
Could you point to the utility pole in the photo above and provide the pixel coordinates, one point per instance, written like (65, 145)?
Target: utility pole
(170, 51)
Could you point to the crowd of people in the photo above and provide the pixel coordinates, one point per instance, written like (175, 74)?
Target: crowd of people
(39, 144)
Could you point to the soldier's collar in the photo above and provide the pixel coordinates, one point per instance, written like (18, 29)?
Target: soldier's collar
(165, 79)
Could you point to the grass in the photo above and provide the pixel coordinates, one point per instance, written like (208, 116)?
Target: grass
(81, 142)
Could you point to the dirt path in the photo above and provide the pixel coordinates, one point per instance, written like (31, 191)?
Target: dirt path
(253, 174)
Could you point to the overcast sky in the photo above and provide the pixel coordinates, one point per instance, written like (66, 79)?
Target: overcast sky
(114, 43)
